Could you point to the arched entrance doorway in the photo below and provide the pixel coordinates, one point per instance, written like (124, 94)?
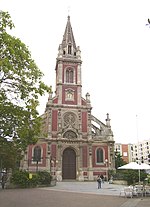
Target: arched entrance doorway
(69, 164)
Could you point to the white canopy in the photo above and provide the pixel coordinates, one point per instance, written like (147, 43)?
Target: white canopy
(131, 165)
(144, 166)
(135, 166)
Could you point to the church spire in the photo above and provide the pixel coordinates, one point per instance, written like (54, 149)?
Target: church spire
(68, 46)
(68, 37)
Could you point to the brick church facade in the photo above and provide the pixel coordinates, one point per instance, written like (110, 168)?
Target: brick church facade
(74, 144)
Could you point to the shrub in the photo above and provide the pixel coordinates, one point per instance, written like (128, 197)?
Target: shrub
(21, 179)
(132, 176)
(44, 178)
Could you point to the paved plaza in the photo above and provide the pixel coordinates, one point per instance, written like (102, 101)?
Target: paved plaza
(70, 194)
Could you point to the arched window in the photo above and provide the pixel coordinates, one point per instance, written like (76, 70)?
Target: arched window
(37, 154)
(69, 49)
(99, 155)
(69, 75)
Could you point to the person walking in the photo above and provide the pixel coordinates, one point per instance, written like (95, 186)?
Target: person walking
(102, 177)
(3, 182)
(99, 182)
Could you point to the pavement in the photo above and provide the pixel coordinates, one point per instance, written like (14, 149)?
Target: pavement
(71, 194)
(88, 187)
(111, 191)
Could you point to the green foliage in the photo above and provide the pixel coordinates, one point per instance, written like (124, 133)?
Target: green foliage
(118, 160)
(10, 155)
(20, 87)
(44, 178)
(5, 21)
(21, 179)
(132, 176)
(111, 173)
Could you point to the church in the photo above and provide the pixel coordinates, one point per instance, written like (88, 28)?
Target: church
(74, 144)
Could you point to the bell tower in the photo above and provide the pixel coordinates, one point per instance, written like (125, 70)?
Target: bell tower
(68, 70)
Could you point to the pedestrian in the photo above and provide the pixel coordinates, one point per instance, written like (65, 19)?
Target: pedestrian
(3, 181)
(102, 177)
(99, 182)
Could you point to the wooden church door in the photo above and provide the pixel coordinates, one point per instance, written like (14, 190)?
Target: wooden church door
(69, 164)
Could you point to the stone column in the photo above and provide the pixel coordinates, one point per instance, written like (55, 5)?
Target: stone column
(90, 170)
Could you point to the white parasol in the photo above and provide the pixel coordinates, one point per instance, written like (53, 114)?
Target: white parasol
(131, 165)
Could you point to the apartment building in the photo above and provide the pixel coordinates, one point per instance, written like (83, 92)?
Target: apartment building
(123, 150)
(139, 152)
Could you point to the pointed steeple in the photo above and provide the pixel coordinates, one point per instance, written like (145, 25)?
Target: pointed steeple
(68, 38)
(68, 46)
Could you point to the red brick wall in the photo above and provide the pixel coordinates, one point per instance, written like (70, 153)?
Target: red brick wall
(84, 121)
(54, 120)
(125, 151)
(84, 156)
(75, 95)
(55, 100)
(83, 102)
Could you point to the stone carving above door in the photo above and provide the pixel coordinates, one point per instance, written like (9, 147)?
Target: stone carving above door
(70, 135)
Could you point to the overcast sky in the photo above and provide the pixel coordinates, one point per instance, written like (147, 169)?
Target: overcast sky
(115, 50)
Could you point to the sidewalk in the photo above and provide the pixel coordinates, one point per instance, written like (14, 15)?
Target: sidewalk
(106, 190)
(88, 187)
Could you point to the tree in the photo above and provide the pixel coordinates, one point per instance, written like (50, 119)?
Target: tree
(20, 87)
(118, 160)
(132, 176)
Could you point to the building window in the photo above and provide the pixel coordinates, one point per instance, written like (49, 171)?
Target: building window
(69, 49)
(37, 154)
(99, 155)
(69, 75)
(125, 154)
